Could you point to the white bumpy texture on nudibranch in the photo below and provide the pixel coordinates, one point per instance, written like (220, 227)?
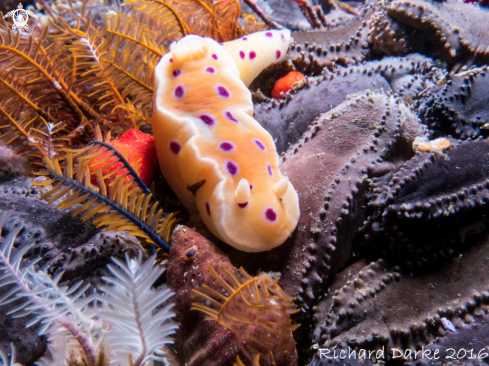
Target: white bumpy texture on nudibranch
(204, 130)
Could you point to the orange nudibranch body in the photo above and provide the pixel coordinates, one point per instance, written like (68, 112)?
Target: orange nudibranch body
(204, 130)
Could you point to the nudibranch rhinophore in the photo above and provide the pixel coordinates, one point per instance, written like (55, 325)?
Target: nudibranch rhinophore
(204, 130)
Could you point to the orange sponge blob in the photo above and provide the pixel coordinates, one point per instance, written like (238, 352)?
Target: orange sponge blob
(286, 83)
(139, 147)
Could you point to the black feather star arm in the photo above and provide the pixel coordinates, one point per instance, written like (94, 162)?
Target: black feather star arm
(102, 182)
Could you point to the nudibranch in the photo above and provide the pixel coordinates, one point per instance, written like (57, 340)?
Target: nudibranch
(255, 52)
(206, 138)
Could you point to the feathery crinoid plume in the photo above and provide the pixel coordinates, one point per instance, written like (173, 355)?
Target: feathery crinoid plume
(139, 325)
(54, 305)
(125, 322)
(8, 361)
(255, 308)
(113, 63)
(124, 203)
(206, 18)
(89, 67)
(34, 105)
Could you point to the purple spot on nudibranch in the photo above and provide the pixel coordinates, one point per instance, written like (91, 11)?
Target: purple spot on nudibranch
(207, 119)
(283, 37)
(175, 147)
(244, 39)
(252, 55)
(179, 91)
(241, 54)
(259, 144)
(214, 56)
(222, 91)
(278, 54)
(208, 208)
(230, 117)
(251, 187)
(232, 167)
(269, 34)
(270, 214)
(210, 70)
(243, 205)
(226, 146)
(176, 72)
(269, 169)
(170, 60)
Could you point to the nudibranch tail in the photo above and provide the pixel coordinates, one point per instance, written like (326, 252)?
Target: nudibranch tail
(255, 52)
(204, 132)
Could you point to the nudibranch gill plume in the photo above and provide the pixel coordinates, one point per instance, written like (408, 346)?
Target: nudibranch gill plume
(204, 130)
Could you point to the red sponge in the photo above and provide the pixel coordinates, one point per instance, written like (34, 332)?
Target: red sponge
(145, 148)
(140, 147)
(286, 83)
